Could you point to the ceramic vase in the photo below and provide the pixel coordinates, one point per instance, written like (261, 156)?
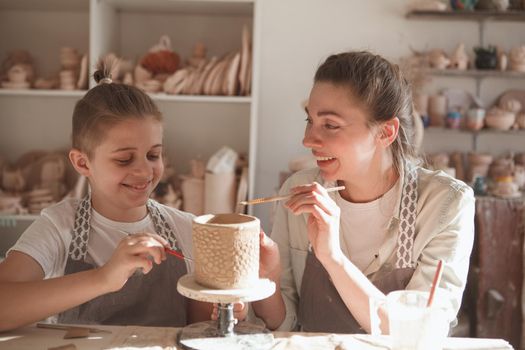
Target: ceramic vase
(219, 193)
(437, 110)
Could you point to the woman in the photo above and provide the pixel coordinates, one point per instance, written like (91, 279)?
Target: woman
(385, 231)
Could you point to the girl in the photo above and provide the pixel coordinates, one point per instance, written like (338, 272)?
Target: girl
(385, 231)
(101, 259)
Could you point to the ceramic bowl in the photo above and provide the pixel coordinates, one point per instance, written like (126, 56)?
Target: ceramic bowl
(500, 119)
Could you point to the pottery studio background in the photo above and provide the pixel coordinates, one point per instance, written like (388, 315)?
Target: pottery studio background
(288, 40)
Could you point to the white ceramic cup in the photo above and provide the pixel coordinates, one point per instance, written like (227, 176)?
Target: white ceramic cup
(412, 325)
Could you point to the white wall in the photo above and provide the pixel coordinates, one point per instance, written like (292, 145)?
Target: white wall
(297, 35)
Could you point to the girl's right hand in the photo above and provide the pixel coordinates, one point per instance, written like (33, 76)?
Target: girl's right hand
(270, 261)
(137, 251)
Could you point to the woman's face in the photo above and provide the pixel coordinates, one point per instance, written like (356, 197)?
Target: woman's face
(126, 167)
(338, 134)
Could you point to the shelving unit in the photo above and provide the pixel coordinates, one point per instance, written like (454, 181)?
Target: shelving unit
(482, 17)
(500, 220)
(194, 126)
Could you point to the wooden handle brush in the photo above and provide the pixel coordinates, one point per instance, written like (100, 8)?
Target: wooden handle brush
(280, 198)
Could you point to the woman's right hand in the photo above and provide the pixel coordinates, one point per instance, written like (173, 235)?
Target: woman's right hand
(137, 251)
(270, 261)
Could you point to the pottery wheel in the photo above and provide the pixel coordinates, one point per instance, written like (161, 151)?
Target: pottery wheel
(225, 333)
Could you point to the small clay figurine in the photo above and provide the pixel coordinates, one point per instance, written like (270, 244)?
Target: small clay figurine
(459, 59)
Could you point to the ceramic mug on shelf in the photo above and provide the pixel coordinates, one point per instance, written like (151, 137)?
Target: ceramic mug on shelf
(475, 118)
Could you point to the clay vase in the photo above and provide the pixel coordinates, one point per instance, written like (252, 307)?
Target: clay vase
(193, 195)
(479, 164)
(486, 60)
(519, 159)
(437, 109)
(226, 250)
(517, 58)
(219, 193)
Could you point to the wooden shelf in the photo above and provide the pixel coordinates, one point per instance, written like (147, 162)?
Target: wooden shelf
(47, 5)
(46, 93)
(510, 15)
(484, 131)
(212, 7)
(156, 97)
(201, 99)
(475, 73)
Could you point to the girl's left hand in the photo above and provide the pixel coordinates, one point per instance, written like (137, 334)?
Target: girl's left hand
(240, 310)
(323, 219)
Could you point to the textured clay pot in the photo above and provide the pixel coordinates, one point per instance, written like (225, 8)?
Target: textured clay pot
(226, 250)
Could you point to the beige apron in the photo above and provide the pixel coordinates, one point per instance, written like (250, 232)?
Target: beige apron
(321, 308)
(149, 300)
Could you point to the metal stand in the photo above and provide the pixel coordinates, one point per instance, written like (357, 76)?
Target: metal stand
(226, 332)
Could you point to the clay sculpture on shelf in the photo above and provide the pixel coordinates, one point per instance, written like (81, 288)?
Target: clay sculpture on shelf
(459, 59)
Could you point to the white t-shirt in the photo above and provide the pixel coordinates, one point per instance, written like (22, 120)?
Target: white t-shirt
(48, 238)
(364, 226)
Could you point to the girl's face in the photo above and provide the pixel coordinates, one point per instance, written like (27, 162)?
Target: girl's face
(126, 167)
(338, 134)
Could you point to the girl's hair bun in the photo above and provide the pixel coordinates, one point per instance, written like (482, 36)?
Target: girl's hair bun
(104, 67)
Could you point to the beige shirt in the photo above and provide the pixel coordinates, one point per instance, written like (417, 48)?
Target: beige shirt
(444, 230)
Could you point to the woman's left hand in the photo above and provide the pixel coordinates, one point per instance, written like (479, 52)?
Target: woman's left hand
(323, 219)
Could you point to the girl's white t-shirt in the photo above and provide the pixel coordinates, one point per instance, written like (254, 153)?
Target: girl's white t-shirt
(48, 238)
(364, 226)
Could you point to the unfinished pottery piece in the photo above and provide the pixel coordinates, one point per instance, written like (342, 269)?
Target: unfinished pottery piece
(511, 105)
(438, 59)
(475, 118)
(193, 195)
(459, 59)
(141, 75)
(245, 57)
(69, 58)
(198, 56)
(520, 120)
(512, 95)
(505, 187)
(231, 81)
(219, 192)
(17, 74)
(13, 180)
(503, 61)
(176, 82)
(83, 75)
(437, 109)
(226, 250)
(499, 119)
(517, 59)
